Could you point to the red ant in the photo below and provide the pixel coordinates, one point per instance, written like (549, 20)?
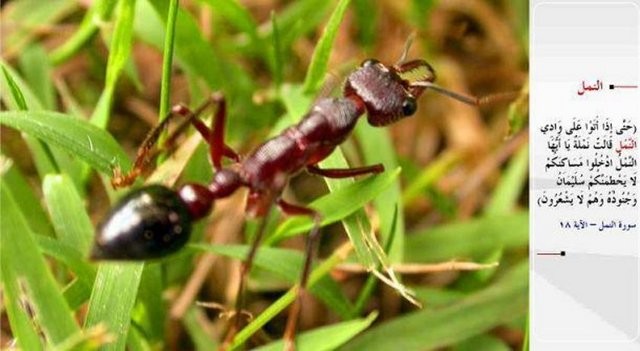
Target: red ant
(155, 221)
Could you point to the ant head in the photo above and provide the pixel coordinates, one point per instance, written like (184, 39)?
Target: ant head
(389, 92)
(150, 222)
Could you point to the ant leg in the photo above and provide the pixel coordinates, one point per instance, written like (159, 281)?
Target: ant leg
(245, 268)
(205, 132)
(309, 254)
(144, 153)
(215, 138)
(346, 172)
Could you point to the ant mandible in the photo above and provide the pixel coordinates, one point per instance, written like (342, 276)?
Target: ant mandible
(155, 221)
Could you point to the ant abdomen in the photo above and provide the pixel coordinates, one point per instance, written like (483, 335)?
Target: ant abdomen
(150, 222)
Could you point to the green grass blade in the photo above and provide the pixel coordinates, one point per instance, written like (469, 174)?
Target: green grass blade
(192, 323)
(326, 338)
(29, 203)
(43, 158)
(263, 318)
(77, 293)
(366, 19)
(75, 260)
(513, 179)
(367, 290)
(88, 340)
(138, 341)
(338, 204)
(444, 203)
(236, 15)
(150, 313)
(22, 327)
(20, 254)
(68, 214)
(297, 19)
(503, 201)
(34, 63)
(119, 51)
(518, 114)
(71, 104)
(15, 91)
(357, 225)
(194, 53)
(78, 137)
(429, 175)
(32, 15)
(98, 13)
(21, 97)
(287, 264)
(198, 58)
(437, 297)
(501, 302)
(520, 14)
(112, 299)
(418, 12)
(241, 18)
(483, 342)
(377, 148)
(121, 42)
(525, 342)
(468, 239)
(192, 50)
(167, 60)
(277, 60)
(320, 59)
(285, 300)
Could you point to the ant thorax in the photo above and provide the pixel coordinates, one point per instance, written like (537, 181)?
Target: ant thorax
(327, 125)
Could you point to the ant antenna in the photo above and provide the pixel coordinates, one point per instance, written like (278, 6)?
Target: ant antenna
(470, 100)
(407, 46)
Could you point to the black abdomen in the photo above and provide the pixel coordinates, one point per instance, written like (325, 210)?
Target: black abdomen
(148, 223)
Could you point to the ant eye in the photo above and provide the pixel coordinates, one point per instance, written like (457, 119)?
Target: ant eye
(409, 106)
(369, 62)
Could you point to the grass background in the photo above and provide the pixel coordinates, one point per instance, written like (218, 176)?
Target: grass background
(83, 81)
